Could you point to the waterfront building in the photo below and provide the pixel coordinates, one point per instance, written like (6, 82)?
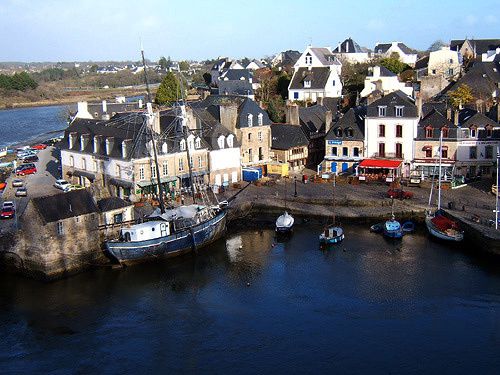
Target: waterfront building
(351, 52)
(391, 125)
(105, 110)
(290, 145)
(316, 75)
(344, 142)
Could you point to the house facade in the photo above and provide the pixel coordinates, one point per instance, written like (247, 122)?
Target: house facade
(445, 62)
(405, 54)
(391, 126)
(382, 80)
(351, 52)
(316, 75)
(289, 145)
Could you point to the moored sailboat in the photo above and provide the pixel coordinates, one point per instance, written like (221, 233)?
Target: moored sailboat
(332, 233)
(284, 223)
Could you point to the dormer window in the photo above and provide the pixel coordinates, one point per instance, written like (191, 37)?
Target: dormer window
(182, 145)
(445, 132)
(250, 120)
(230, 140)
(96, 144)
(164, 148)
(307, 83)
(382, 111)
(220, 141)
(428, 132)
(337, 132)
(124, 149)
(198, 143)
(308, 59)
(473, 132)
(399, 111)
(489, 131)
(260, 119)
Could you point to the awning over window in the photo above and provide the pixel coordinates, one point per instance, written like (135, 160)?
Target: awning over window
(90, 176)
(163, 180)
(121, 183)
(427, 148)
(380, 163)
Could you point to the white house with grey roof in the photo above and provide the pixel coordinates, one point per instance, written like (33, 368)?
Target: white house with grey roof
(352, 52)
(382, 79)
(406, 55)
(316, 75)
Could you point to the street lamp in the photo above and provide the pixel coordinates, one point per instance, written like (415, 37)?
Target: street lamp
(295, 181)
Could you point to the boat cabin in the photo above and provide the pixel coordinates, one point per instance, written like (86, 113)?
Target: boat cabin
(146, 231)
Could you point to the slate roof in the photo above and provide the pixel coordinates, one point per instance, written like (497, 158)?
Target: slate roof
(422, 63)
(469, 117)
(112, 203)
(481, 45)
(290, 57)
(122, 126)
(65, 205)
(435, 119)
(348, 46)
(286, 136)
(235, 87)
(325, 56)
(312, 120)
(317, 76)
(393, 100)
(384, 47)
(236, 74)
(353, 119)
(384, 72)
(483, 78)
(429, 106)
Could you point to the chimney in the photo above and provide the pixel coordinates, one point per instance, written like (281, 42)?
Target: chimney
(229, 116)
(340, 47)
(83, 111)
(319, 101)
(104, 106)
(455, 119)
(419, 105)
(292, 114)
(347, 46)
(328, 121)
(376, 71)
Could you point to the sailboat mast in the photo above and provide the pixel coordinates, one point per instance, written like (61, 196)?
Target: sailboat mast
(333, 198)
(145, 75)
(155, 155)
(440, 162)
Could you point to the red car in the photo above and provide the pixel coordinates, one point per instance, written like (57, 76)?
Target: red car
(25, 169)
(41, 146)
(399, 194)
(8, 210)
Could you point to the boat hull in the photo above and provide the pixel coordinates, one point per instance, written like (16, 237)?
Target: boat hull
(436, 232)
(331, 240)
(184, 241)
(393, 233)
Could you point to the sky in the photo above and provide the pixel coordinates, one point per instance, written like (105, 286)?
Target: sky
(97, 30)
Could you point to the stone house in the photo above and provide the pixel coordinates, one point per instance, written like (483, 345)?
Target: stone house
(290, 145)
(391, 125)
(316, 75)
(474, 48)
(405, 54)
(344, 142)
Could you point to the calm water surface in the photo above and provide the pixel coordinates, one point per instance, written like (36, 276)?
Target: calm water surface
(31, 124)
(252, 306)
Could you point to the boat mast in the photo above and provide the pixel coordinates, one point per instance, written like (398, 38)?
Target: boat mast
(150, 121)
(184, 132)
(440, 161)
(333, 198)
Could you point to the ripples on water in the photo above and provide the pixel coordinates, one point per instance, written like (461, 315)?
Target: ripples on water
(252, 305)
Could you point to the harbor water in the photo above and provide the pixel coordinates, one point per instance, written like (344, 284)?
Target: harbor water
(250, 304)
(31, 125)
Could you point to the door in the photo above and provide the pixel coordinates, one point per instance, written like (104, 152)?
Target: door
(218, 180)
(345, 167)
(234, 177)
(333, 167)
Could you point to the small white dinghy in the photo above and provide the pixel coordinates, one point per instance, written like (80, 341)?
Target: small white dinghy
(284, 223)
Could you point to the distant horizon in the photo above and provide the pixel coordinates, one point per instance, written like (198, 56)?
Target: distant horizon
(95, 31)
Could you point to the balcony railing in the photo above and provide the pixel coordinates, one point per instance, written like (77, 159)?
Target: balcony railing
(388, 155)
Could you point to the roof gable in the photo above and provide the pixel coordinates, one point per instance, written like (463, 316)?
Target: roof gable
(286, 136)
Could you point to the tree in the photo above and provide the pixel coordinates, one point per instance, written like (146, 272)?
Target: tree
(276, 109)
(184, 66)
(282, 85)
(394, 64)
(462, 95)
(162, 62)
(436, 46)
(169, 90)
(245, 61)
(208, 78)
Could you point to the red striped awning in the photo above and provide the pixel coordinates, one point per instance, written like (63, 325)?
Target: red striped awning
(380, 163)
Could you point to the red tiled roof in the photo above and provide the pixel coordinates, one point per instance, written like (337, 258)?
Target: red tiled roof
(380, 163)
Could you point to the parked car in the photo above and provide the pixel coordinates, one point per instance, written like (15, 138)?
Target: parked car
(25, 154)
(25, 169)
(74, 187)
(3, 185)
(399, 194)
(62, 184)
(40, 146)
(30, 159)
(8, 211)
(21, 192)
(17, 182)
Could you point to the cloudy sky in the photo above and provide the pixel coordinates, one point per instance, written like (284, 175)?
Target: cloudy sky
(62, 30)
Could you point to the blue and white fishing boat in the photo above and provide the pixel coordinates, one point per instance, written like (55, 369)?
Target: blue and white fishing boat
(393, 228)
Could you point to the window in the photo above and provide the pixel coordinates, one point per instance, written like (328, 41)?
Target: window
(181, 165)
(345, 151)
(164, 148)
(182, 145)
(200, 162)
(71, 161)
(308, 59)
(295, 95)
(450, 71)
(473, 132)
(473, 152)
(250, 120)
(191, 144)
(198, 143)
(334, 151)
(381, 130)
(399, 150)
(96, 166)
(307, 83)
(153, 171)
(259, 136)
(337, 132)
(381, 149)
(60, 228)
(433, 71)
(84, 164)
(399, 131)
(191, 161)
(444, 152)
(489, 131)
(165, 168)
(355, 151)
(118, 171)
(261, 153)
(230, 140)
(141, 173)
(428, 152)
(428, 132)
(220, 142)
(451, 61)
(249, 136)
(445, 132)
(488, 150)
(382, 110)
(250, 156)
(399, 111)
(260, 119)
(333, 83)
(349, 132)
(118, 218)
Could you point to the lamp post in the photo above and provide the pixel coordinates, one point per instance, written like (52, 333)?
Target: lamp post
(496, 200)
(295, 181)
